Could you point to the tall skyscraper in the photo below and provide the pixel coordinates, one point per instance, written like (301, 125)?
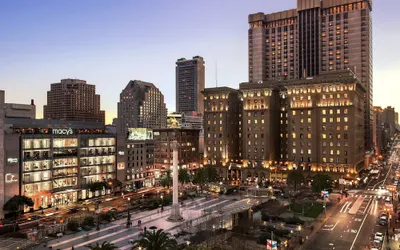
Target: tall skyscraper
(190, 82)
(141, 105)
(318, 36)
(73, 100)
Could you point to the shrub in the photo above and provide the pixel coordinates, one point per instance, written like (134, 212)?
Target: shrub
(294, 220)
(73, 225)
(88, 221)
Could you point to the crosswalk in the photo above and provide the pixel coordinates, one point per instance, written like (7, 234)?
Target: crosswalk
(365, 203)
(371, 196)
(117, 233)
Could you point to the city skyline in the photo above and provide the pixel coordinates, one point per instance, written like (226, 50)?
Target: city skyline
(103, 44)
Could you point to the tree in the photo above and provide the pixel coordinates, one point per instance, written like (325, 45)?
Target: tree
(97, 186)
(200, 177)
(166, 179)
(321, 182)
(211, 174)
(104, 246)
(296, 178)
(88, 221)
(114, 184)
(183, 176)
(16, 203)
(155, 240)
(73, 225)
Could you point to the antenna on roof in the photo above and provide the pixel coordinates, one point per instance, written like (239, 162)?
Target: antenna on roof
(216, 73)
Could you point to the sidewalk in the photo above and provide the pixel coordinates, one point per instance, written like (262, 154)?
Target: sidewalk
(309, 234)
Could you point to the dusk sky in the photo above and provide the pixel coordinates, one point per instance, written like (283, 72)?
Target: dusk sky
(108, 43)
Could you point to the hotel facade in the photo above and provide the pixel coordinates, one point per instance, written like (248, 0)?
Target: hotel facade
(314, 124)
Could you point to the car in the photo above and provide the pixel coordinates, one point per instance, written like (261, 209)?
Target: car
(72, 210)
(382, 222)
(378, 236)
(34, 217)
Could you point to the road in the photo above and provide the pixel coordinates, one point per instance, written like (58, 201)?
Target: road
(354, 222)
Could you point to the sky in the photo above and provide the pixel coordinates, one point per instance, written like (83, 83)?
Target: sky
(109, 43)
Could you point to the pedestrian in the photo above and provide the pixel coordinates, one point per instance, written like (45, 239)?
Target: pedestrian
(145, 229)
(158, 211)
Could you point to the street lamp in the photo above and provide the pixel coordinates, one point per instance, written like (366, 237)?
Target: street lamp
(128, 220)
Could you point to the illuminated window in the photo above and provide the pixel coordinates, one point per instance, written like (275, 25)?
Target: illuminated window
(309, 151)
(324, 159)
(323, 97)
(294, 135)
(338, 128)
(294, 112)
(337, 119)
(262, 121)
(309, 120)
(346, 119)
(345, 111)
(323, 136)
(309, 97)
(324, 111)
(309, 136)
(345, 95)
(338, 111)
(301, 120)
(309, 112)
(331, 111)
(323, 128)
(248, 121)
(331, 119)
(337, 136)
(331, 152)
(294, 151)
(301, 151)
(281, 135)
(346, 127)
(255, 121)
(338, 152)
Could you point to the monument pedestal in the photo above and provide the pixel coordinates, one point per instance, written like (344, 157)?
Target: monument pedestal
(175, 214)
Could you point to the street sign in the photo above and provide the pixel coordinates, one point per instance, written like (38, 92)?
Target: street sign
(324, 194)
(272, 245)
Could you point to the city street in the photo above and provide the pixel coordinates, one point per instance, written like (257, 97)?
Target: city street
(355, 220)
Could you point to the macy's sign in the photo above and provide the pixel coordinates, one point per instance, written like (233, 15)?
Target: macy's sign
(63, 131)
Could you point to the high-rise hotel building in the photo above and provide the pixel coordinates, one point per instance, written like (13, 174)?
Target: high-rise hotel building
(315, 124)
(318, 36)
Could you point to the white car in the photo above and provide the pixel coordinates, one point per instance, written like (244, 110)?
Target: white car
(379, 236)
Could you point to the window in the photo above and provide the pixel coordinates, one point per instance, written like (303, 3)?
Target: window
(301, 120)
(309, 151)
(309, 120)
(294, 111)
(337, 152)
(294, 135)
(331, 119)
(324, 120)
(324, 111)
(346, 119)
(338, 144)
(262, 121)
(248, 121)
(331, 152)
(345, 111)
(323, 136)
(323, 128)
(338, 111)
(294, 151)
(309, 136)
(337, 119)
(331, 111)
(345, 136)
(346, 127)
(324, 159)
(301, 151)
(338, 128)
(309, 112)
(337, 136)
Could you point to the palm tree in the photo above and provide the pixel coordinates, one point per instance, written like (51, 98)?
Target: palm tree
(104, 246)
(155, 240)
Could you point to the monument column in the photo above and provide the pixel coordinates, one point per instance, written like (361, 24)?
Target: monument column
(175, 214)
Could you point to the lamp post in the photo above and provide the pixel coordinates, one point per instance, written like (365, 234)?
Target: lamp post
(97, 217)
(128, 221)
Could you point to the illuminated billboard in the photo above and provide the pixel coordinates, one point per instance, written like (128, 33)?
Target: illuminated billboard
(174, 120)
(138, 134)
(121, 165)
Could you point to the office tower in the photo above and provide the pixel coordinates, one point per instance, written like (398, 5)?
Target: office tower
(73, 100)
(222, 130)
(318, 36)
(378, 130)
(141, 105)
(190, 81)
